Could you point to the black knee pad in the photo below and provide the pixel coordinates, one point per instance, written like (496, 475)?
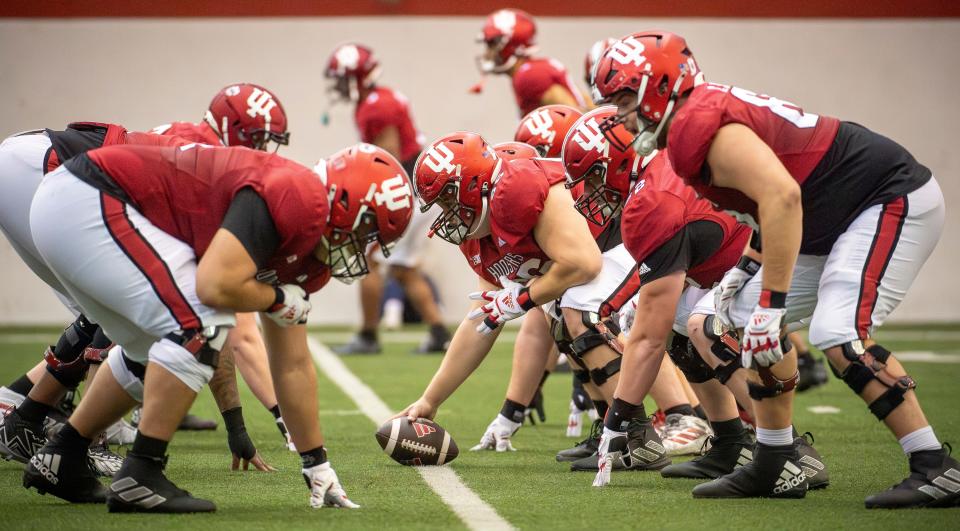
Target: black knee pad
(726, 347)
(600, 375)
(599, 332)
(688, 360)
(204, 343)
(65, 360)
(868, 364)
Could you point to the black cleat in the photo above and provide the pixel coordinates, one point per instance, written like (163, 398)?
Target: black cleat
(641, 449)
(818, 477)
(584, 448)
(141, 487)
(774, 473)
(103, 461)
(813, 372)
(359, 345)
(195, 423)
(20, 439)
(435, 343)
(934, 481)
(723, 457)
(64, 473)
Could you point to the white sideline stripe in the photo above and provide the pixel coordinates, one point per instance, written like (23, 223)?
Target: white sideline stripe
(471, 509)
(823, 410)
(387, 337)
(926, 356)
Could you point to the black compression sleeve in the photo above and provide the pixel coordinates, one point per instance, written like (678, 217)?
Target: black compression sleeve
(689, 247)
(248, 218)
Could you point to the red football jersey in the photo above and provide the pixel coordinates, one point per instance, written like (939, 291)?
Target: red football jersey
(660, 205)
(80, 137)
(798, 139)
(535, 77)
(201, 132)
(383, 108)
(186, 191)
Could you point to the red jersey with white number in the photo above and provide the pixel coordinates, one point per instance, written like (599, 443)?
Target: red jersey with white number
(186, 191)
(201, 132)
(842, 168)
(535, 76)
(382, 108)
(661, 205)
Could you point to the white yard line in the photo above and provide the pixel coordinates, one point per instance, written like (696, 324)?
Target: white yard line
(926, 356)
(475, 513)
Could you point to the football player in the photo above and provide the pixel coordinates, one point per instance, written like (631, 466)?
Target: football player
(169, 278)
(384, 119)
(846, 219)
(508, 37)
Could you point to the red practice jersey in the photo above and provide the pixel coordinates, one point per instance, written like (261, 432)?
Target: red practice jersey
(186, 191)
(201, 132)
(80, 137)
(535, 77)
(382, 108)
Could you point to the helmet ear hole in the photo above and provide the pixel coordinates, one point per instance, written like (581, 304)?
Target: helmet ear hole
(664, 85)
(344, 200)
(623, 166)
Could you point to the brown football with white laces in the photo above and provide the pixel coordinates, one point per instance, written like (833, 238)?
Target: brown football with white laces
(421, 442)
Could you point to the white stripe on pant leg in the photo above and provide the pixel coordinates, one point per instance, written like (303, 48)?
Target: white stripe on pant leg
(471, 509)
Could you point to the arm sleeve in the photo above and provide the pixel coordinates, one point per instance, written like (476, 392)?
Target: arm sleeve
(688, 248)
(248, 218)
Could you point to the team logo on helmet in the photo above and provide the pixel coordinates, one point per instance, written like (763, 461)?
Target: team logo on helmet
(540, 124)
(627, 51)
(505, 20)
(347, 57)
(589, 136)
(439, 158)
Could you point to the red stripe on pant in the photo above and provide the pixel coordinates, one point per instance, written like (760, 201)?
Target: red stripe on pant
(884, 243)
(148, 261)
(622, 295)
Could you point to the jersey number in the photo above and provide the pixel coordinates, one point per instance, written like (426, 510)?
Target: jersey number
(783, 109)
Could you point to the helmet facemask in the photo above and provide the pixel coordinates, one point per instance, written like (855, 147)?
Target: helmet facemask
(260, 139)
(598, 203)
(456, 221)
(347, 249)
(491, 61)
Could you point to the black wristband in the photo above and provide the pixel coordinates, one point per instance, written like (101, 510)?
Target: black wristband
(311, 458)
(233, 419)
(514, 411)
(773, 299)
(525, 300)
(749, 265)
(278, 298)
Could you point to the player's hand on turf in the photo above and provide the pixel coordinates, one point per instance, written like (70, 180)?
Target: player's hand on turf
(290, 307)
(421, 409)
(497, 436)
(244, 452)
(627, 313)
(606, 456)
(502, 305)
(761, 337)
(731, 284)
(257, 462)
(325, 488)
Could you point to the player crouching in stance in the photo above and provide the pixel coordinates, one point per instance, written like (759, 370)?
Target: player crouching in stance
(183, 237)
(846, 219)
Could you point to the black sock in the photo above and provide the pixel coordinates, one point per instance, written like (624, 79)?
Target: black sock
(546, 374)
(311, 458)
(275, 411)
(69, 437)
(728, 429)
(439, 331)
(368, 335)
(33, 411)
(682, 409)
(147, 446)
(22, 385)
(514, 411)
(601, 407)
(698, 411)
(621, 413)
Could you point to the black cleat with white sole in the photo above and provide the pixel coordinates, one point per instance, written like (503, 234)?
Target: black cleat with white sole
(20, 438)
(775, 472)
(141, 487)
(818, 477)
(584, 448)
(724, 456)
(934, 481)
(640, 450)
(63, 472)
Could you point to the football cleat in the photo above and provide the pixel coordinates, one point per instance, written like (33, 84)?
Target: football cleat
(20, 439)
(685, 434)
(659, 421)
(102, 461)
(934, 481)
(775, 472)
(121, 432)
(584, 448)
(641, 449)
(195, 423)
(9, 399)
(818, 477)
(141, 487)
(723, 457)
(65, 473)
(359, 345)
(813, 372)
(436, 342)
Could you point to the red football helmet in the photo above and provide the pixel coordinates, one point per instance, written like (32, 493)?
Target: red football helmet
(507, 35)
(515, 150)
(350, 67)
(608, 172)
(593, 55)
(656, 65)
(545, 128)
(457, 171)
(248, 115)
(371, 201)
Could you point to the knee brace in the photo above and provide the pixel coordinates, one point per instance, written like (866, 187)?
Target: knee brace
(65, 361)
(191, 355)
(686, 358)
(770, 385)
(599, 332)
(726, 347)
(128, 373)
(870, 363)
(98, 349)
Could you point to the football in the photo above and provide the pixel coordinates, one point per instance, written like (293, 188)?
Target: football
(421, 442)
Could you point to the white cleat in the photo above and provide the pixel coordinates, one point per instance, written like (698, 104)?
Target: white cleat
(685, 434)
(9, 399)
(121, 433)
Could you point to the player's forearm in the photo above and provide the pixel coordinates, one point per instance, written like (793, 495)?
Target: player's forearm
(781, 227)
(223, 385)
(563, 276)
(467, 350)
(247, 295)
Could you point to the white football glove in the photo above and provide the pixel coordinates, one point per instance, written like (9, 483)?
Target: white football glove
(761, 337)
(731, 284)
(503, 305)
(575, 420)
(325, 489)
(627, 313)
(291, 306)
(606, 457)
(497, 436)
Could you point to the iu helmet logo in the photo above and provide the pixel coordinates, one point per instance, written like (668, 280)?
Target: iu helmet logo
(395, 193)
(589, 137)
(505, 20)
(260, 103)
(627, 51)
(348, 57)
(423, 430)
(541, 124)
(439, 158)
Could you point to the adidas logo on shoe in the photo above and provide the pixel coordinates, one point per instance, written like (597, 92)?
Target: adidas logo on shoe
(48, 465)
(745, 458)
(790, 477)
(943, 485)
(649, 452)
(128, 490)
(811, 467)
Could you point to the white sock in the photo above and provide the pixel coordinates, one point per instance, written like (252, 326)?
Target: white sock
(781, 437)
(916, 441)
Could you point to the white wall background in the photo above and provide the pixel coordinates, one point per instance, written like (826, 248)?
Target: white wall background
(897, 77)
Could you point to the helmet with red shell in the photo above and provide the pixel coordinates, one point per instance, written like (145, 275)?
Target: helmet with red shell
(248, 115)
(593, 55)
(545, 128)
(371, 201)
(656, 65)
(608, 173)
(515, 150)
(507, 34)
(351, 67)
(458, 172)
